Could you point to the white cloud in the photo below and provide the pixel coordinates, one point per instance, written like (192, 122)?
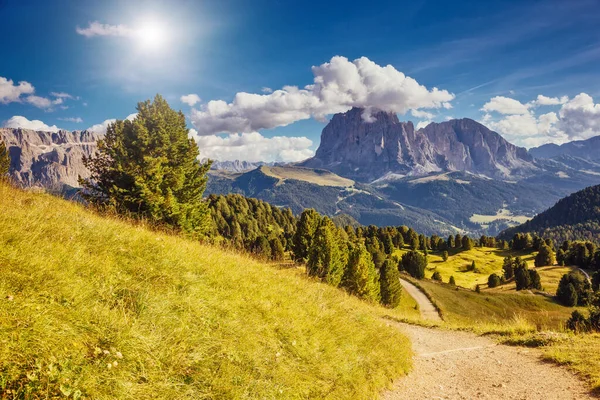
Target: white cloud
(338, 86)
(62, 95)
(421, 114)
(21, 122)
(253, 147)
(549, 101)
(422, 124)
(101, 127)
(76, 120)
(97, 29)
(9, 92)
(266, 90)
(43, 102)
(190, 99)
(505, 105)
(576, 119)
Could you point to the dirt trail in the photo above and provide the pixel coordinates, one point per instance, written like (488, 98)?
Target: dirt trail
(462, 365)
(427, 309)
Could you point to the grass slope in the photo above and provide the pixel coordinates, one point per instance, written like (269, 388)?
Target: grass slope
(95, 307)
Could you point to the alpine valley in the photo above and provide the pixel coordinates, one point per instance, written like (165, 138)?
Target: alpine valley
(448, 177)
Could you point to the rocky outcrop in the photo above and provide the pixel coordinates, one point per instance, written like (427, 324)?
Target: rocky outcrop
(367, 151)
(48, 159)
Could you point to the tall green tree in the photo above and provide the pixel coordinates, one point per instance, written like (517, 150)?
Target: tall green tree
(362, 278)
(414, 263)
(328, 254)
(4, 161)
(544, 257)
(149, 168)
(305, 230)
(391, 289)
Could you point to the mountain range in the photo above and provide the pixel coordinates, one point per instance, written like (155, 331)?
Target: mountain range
(453, 176)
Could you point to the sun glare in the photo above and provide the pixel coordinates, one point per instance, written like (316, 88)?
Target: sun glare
(152, 36)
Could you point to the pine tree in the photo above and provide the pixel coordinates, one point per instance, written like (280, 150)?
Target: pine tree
(148, 168)
(493, 281)
(451, 281)
(544, 257)
(436, 276)
(4, 161)
(391, 289)
(467, 243)
(305, 230)
(277, 250)
(444, 256)
(450, 242)
(262, 248)
(414, 263)
(362, 279)
(328, 254)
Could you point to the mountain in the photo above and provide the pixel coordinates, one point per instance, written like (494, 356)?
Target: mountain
(586, 149)
(366, 151)
(234, 166)
(48, 159)
(575, 217)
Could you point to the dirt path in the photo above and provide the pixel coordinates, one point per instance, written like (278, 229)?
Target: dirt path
(427, 309)
(462, 365)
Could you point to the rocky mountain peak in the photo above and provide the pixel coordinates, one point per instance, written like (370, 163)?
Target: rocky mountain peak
(48, 159)
(362, 150)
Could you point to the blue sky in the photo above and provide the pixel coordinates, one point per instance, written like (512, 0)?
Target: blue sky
(485, 55)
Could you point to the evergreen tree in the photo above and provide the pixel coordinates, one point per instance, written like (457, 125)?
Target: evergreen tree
(4, 161)
(305, 230)
(457, 240)
(328, 254)
(391, 289)
(450, 242)
(261, 248)
(522, 278)
(444, 256)
(277, 250)
(544, 257)
(581, 288)
(361, 278)
(451, 281)
(535, 282)
(508, 268)
(414, 263)
(467, 243)
(148, 168)
(596, 281)
(436, 276)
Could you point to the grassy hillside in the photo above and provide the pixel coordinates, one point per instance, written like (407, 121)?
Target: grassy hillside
(94, 307)
(319, 177)
(487, 260)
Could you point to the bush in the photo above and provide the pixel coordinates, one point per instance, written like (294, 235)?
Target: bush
(414, 263)
(436, 276)
(445, 256)
(493, 281)
(452, 281)
(578, 322)
(477, 289)
(544, 257)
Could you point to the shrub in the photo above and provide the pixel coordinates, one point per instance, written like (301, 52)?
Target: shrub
(436, 276)
(493, 280)
(578, 322)
(451, 281)
(477, 289)
(445, 256)
(544, 257)
(574, 289)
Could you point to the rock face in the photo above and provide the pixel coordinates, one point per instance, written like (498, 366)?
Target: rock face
(367, 151)
(587, 149)
(48, 159)
(234, 166)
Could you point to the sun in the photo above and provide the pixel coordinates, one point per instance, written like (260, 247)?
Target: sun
(152, 36)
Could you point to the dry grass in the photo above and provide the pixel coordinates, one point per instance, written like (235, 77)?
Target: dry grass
(316, 176)
(172, 318)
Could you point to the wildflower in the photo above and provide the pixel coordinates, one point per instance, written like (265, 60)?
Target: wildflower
(10, 297)
(109, 365)
(106, 352)
(115, 364)
(118, 355)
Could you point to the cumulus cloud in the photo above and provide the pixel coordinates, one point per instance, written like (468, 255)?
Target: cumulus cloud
(422, 114)
(337, 86)
(76, 120)
(266, 90)
(253, 146)
(63, 95)
(97, 29)
(43, 102)
(505, 105)
(9, 92)
(577, 118)
(190, 99)
(101, 127)
(21, 122)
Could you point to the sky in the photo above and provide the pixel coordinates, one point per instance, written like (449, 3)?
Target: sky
(258, 80)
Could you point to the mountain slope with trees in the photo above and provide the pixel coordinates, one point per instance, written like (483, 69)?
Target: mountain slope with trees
(576, 217)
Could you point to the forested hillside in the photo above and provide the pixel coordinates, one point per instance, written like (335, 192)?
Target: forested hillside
(576, 217)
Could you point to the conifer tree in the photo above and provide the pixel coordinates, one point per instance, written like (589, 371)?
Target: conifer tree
(361, 278)
(414, 263)
(391, 289)
(4, 161)
(544, 257)
(305, 230)
(148, 168)
(277, 250)
(328, 254)
(452, 282)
